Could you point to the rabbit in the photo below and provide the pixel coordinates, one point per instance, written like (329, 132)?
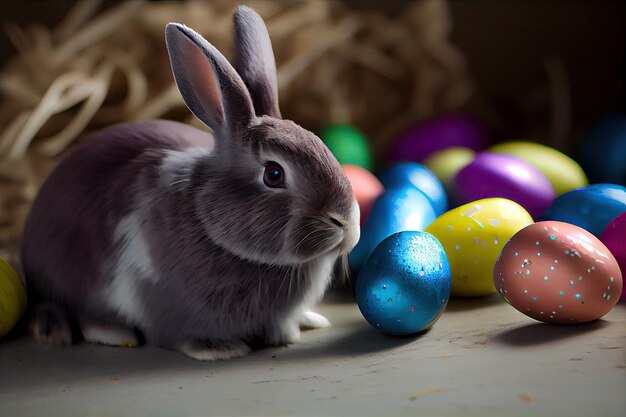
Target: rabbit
(208, 244)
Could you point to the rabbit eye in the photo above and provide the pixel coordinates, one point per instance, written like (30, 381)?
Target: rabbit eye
(274, 175)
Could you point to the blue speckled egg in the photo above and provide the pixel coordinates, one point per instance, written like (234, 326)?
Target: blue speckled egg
(399, 209)
(417, 175)
(404, 285)
(591, 207)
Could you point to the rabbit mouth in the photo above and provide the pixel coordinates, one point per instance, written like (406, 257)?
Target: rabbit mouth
(339, 242)
(317, 235)
(317, 242)
(333, 243)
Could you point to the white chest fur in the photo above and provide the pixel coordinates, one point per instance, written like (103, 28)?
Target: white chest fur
(320, 272)
(130, 265)
(132, 262)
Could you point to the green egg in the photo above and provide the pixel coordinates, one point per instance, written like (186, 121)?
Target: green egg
(348, 145)
(562, 171)
(445, 164)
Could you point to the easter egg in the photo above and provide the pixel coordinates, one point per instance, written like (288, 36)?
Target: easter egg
(445, 164)
(436, 134)
(562, 171)
(405, 284)
(403, 174)
(397, 210)
(498, 175)
(473, 236)
(365, 186)
(348, 145)
(614, 238)
(591, 207)
(604, 150)
(12, 298)
(558, 273)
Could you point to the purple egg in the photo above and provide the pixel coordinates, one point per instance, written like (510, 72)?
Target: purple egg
(500, 175)
(436, 134)
(614, 237)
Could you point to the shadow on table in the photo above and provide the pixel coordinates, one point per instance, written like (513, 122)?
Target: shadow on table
(541, 333)
(339, 294)
(84, 360)
(464, 304)
(355, 342)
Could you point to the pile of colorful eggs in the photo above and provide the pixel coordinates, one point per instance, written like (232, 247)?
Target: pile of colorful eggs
(414, 253)
(524, 222)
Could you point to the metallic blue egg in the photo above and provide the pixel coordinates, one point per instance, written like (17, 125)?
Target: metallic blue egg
(399, 209)
(404, 174)
(404, 285)
(591, 207)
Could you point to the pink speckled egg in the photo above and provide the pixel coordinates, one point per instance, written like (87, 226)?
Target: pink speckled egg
(558, 273)
(365, 186)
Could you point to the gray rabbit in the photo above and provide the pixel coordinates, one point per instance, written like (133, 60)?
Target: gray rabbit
(206, 244)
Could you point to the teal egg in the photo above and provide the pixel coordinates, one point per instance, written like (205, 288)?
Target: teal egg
(399, 209)
(416, 175)
(591, 207)
(404, 285)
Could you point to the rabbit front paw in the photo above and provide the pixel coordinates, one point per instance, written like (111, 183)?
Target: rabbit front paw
(282, 334)
(109, 334)
(209, 351)
(312, 320)
(288, 332)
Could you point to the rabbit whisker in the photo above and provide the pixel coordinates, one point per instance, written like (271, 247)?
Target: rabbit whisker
(178, 182)
(289, 287)
(282, 282)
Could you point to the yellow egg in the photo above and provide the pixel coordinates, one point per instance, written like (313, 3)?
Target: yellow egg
(445, 164)
(563, 172)
(473, 236)
(12, 298)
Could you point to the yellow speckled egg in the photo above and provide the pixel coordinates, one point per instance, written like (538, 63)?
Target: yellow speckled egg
(562, 171)
(473, 236)
(12, 298)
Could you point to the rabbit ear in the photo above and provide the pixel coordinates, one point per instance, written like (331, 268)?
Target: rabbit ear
(210, 86)
(254, 61)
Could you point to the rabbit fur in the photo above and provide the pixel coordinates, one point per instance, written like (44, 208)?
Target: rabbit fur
(162, 233)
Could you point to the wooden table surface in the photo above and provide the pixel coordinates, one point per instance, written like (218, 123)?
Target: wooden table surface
(482, 358)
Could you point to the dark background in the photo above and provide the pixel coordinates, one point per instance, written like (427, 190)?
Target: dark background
(506, 44)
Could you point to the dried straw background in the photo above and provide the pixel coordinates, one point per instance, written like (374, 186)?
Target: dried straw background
(96, 68)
